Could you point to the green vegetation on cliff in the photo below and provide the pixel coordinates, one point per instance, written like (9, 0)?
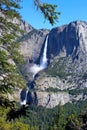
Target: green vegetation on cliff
(57, 68)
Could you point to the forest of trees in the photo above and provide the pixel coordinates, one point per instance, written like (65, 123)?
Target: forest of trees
(12, 116)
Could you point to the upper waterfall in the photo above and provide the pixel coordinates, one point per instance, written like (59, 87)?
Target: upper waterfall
(43, 61)
(44, 55)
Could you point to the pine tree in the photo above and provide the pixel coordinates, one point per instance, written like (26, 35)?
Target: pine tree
(59, 120)
(9, 56)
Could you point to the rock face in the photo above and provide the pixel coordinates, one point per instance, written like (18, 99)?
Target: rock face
(65, 79)
(50, 100)
(23, 25)
(71, 38)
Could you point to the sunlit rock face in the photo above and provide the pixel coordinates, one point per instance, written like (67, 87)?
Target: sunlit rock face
(71, 39)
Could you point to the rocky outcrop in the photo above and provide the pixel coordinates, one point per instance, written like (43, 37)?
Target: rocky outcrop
(55, 83)
(23, 25)
(50, 100)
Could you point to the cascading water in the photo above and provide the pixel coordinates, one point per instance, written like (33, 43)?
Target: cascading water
(35, 69)
(24, 97)
(43, 61)
(44, 56)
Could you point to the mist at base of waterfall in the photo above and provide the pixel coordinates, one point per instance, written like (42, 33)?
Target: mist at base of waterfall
(37, 68)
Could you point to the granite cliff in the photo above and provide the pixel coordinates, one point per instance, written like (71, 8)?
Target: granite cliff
(65, 79)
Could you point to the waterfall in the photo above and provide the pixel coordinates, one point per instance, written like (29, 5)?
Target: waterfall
(35, 69)
(43, 61)
(44, 56)
(23, 97)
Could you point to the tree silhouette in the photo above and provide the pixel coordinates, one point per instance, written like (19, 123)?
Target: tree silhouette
(16, 113)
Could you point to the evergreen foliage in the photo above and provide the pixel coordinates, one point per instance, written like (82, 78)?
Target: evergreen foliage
(48, 10)
(10, 59)
(9, 74)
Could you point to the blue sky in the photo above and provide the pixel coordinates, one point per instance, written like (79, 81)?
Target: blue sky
(71, 10)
